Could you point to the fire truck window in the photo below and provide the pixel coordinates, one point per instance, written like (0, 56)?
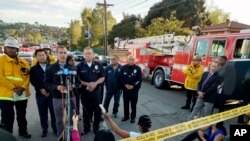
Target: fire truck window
(201, 48)
(242, 48)
(218, 48)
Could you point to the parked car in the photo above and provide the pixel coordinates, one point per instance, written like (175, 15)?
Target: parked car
(78, 56)
(27, 56)
(105, 60)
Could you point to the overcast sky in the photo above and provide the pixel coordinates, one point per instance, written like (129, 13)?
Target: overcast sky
(61, 12)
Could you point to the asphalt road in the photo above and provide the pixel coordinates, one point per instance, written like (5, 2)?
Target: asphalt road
(163, 106)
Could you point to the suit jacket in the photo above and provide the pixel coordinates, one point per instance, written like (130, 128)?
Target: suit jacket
(37, 78)
(52, 80)
(210, 87)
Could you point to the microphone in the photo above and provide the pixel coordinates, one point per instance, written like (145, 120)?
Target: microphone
(73, 73)
(60, 73)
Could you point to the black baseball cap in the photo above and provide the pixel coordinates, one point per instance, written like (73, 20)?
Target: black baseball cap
(144, 119)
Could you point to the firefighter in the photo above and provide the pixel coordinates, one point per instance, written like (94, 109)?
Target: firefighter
(91, 75)
(131, 78)
(14, 88)
(193, 75)
(50, 58)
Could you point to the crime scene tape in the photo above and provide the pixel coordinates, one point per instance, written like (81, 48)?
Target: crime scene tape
(177, 129)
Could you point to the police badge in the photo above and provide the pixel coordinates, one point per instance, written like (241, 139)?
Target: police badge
(96, 67)
(135, 71)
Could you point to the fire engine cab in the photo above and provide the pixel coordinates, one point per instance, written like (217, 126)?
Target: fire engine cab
(163, 58)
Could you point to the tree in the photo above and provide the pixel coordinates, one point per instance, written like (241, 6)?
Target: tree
(32, 33)
(29, 38)
(37, 38)
(94, 19)
(11, 32)
(75, 32)
(161, 26)
(126, 28)
(192, 12)
(218, 16)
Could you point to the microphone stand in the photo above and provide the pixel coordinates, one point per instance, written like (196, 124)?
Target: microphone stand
(68, 105)
(69, 76)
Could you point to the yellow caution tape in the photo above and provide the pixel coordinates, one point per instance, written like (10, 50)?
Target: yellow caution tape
(177, 129)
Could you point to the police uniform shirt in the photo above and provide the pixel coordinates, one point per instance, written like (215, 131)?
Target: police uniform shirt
(131, 75)
(112, 78)
(90, 74)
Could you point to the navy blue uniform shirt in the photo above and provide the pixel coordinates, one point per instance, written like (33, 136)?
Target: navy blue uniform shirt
(131, 75)
(90, 74)
(112, 78)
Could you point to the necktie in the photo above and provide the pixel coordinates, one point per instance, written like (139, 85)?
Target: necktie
(204, 83)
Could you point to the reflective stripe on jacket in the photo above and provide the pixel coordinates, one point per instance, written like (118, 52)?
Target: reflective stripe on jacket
(13, 73)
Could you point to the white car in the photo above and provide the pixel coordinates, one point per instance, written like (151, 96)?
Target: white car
(27, 56)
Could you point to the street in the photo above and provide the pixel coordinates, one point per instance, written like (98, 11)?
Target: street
(163, 106)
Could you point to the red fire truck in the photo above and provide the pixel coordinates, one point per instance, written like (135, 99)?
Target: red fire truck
(163, 58)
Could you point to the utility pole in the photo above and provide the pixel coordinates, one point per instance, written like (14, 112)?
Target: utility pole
(105, 26)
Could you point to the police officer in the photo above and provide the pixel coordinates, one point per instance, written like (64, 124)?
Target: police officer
(91, 75)
(131, 78)
(43, 97)
(112, 83)
(14, 87)
(55, 82)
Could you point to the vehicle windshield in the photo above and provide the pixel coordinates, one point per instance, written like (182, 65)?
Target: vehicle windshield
(242, 48)
(78, 53)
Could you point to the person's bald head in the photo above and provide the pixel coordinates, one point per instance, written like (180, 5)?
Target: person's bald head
(131, 60)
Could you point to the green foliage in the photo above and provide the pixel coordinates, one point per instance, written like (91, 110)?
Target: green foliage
(99, 50)
(161, 26)
(130, 27)
(37, 37)
(125, 29)
(218, 16)
(192, 12)
(93, 19)
(11, 32)
(75, 32)
(32, 33)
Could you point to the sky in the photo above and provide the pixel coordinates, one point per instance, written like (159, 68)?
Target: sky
(61, 12)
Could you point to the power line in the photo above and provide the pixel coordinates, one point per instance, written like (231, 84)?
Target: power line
(159, 8)
(124, 1)
(122, 6)
(164, 6)
(135, 5)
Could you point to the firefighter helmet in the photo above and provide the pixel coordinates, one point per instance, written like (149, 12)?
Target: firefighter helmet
(45, 46)
(11, 42)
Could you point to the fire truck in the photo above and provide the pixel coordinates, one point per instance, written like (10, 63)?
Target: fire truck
(163, 58)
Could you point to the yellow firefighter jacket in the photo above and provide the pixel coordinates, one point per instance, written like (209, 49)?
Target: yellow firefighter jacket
(193, 76)
(13, 73)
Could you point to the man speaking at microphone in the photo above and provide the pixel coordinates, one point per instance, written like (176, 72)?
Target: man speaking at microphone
(55, 81)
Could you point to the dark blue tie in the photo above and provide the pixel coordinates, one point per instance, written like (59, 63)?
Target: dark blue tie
(204, 83)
